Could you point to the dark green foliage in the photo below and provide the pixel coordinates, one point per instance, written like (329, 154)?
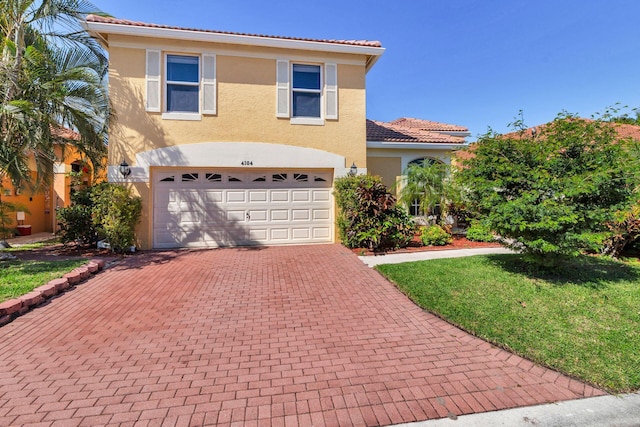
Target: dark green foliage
(76, 224)
(116, 213)
(434, 235)
(479, 232)
(369, 217)
(105, 211)
(547, 193)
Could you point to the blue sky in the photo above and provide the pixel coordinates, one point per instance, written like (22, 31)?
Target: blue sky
(474, 63)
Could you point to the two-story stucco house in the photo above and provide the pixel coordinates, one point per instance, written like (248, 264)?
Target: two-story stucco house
(233, 138)
(236, 139)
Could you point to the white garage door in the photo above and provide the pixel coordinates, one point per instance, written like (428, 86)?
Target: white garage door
(212, 208)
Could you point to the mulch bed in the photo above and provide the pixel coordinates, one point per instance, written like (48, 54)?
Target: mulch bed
(459, 242)
(63, 252)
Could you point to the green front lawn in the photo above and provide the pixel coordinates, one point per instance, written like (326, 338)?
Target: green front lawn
(21, 277)
(582, 319)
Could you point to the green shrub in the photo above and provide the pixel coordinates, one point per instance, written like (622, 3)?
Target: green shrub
(104, 211)
(368, 216)
(479, 232)
(76, 224)
(115, 214)
(434, 235)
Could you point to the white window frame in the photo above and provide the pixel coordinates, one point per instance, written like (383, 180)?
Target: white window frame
(315, 121)
(175, 115)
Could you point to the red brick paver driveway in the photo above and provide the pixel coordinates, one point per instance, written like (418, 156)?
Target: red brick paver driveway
(303, 335)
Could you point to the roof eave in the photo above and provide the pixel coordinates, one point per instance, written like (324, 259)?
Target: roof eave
(415, 145)
(100, 28)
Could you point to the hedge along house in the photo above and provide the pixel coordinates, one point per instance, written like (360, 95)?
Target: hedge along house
(393, 146)
(233, 139)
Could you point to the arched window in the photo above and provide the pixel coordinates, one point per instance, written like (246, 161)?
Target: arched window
(424, 160)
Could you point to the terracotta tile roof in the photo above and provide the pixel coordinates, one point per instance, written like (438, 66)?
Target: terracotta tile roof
(628, 131)
(64, 133)
(623, 130)
(388, 132)
(409, 122)
(104, 20)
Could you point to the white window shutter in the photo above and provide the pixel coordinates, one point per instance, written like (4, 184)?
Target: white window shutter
(208, 84)
(331, 91)
(153, 81)
(282, 88)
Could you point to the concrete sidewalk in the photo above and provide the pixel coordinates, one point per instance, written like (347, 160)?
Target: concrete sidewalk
(372, 261)
(602, 411)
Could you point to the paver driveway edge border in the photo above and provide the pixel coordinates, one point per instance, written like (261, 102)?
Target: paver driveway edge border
(13, 308)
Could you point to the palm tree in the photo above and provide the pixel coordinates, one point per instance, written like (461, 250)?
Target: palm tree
(426, 184)
(52, 76)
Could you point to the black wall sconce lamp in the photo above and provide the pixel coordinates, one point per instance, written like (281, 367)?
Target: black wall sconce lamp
(353, 170)
(124, 169)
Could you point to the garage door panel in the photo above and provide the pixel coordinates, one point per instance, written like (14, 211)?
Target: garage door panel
(214, 208)
(321, 214)
(235, 215)
(214, 235)
(214, 216)
(279, 234)
(279, 196)
(321, 196)
(321, 233)
(280, 215)
(189, 218)
(258, 215)
(258, 196)
(212, 196)
(302, 233)
(300, 195)
(236, 196)
(259, 234)
(300, 214)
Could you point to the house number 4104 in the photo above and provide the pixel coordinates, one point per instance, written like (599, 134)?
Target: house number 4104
(246, 163)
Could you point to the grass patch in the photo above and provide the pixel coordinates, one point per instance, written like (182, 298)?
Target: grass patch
(582, 319)
(32, 246)
(21, 277)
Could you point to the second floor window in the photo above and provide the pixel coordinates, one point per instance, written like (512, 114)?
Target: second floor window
(306, 90)
(183, 84)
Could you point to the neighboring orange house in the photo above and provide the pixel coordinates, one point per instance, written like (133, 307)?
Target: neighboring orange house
(42, 204)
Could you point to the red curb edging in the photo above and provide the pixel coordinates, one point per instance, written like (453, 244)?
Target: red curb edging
(15, 307)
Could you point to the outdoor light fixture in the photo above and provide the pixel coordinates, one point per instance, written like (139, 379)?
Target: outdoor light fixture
(124, 169)
(353, 170)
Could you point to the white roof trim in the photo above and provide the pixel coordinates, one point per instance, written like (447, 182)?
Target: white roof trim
(191, 35)
(414, 145)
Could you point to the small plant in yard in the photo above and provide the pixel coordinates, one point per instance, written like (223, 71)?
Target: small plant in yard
(434, 235)
(479, 232)
(76, 225)
(116, 213)
(104, 211)
(369, 216)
